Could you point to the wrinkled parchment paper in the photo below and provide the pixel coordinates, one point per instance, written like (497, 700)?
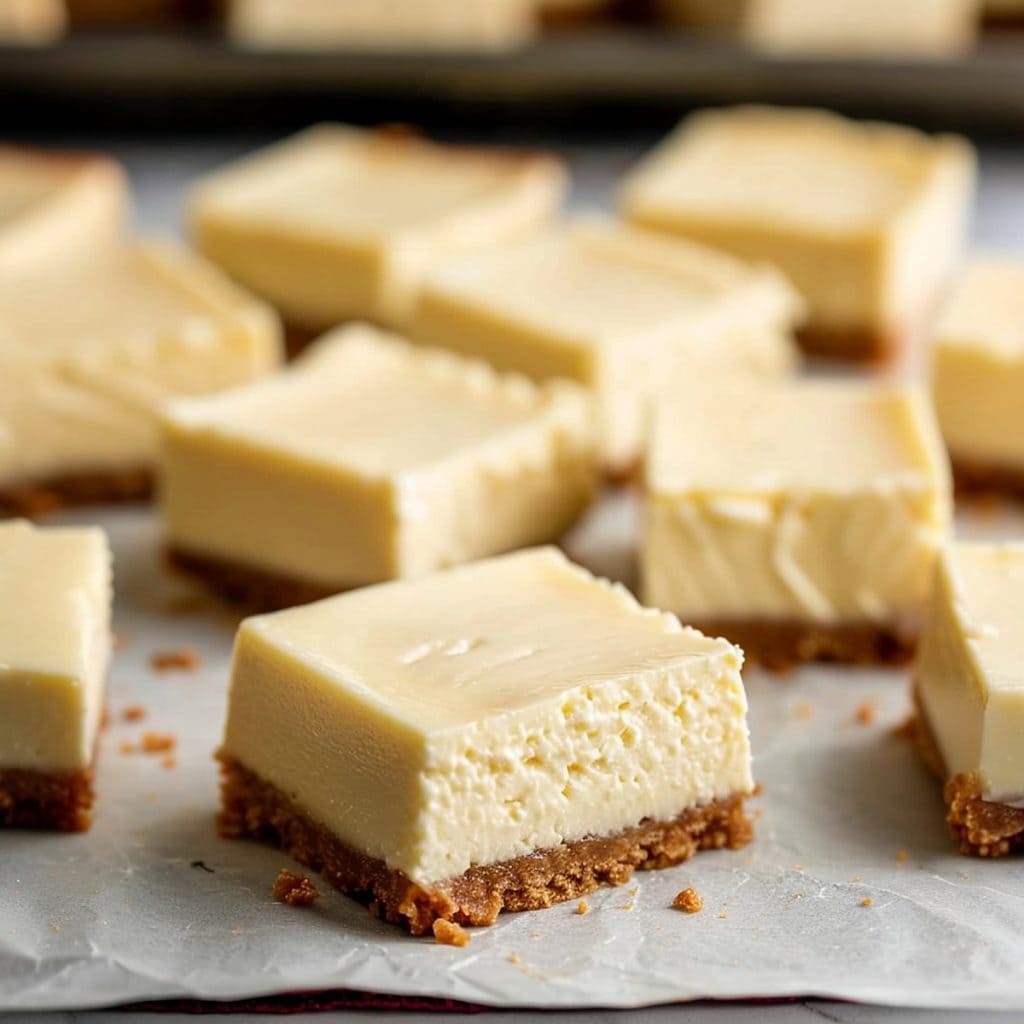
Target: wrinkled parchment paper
(151, 903)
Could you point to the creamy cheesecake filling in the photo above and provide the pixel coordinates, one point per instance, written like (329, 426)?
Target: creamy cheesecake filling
(970, 676)
(541, 707)
(617, 309)
(811, 502)
(89, 350)
(978, 365)
(54, 645)
(866, 220)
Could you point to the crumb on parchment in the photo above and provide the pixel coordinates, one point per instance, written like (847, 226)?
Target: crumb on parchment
(514, 958)
(169, 761)
(295, 890)
(866, 713)
(184, 659)
(867, 901)
(133, 713)
(582, 907)
(689, 900)
(127, 748)
(448, 933)
(158, 742)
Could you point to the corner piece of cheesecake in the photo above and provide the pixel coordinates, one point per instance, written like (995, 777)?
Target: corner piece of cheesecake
(55, 591)
(867, 220)
(969, 691)
(801, 520)
(501, 736)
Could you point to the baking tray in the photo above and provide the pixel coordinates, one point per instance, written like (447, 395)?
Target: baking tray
(609, 78)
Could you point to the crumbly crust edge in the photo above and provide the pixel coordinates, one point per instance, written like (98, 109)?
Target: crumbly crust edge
(60, 801)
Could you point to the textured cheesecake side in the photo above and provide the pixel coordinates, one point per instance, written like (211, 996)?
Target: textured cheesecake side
(527, 786)
(54, 649)
(969, 683)
(804, 526)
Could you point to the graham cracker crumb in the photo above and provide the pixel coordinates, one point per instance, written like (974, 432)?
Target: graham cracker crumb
(514, 958)
(758, 789)
(184, 659)
(798, 895)
(133, 713)
(858, 878)
(798, 867)
(901, 857)
(57, 926)
(804, 710)
(866, 713)
(127, 748)
(688, 900)
(724, 915)
(582, 907)
(169, 762)
(158, 742)
(867, 901)
(295, 890)
(448, 933)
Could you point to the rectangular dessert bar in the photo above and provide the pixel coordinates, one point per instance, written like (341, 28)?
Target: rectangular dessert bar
(616, 309)
(978, 377)
(969, 689)
(801, 520)
(92, 346)
(55, 588)
(867, 220)
(500, 736)
(369, 459)
(338, 224)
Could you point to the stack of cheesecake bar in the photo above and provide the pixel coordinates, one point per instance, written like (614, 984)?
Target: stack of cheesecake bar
(434, 706)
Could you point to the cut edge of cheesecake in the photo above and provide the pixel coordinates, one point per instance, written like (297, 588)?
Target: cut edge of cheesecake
(253, 808)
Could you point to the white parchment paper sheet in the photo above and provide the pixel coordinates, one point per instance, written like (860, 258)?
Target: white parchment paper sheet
(121, 914)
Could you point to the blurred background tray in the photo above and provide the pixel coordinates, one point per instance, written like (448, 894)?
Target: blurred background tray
(589, 79)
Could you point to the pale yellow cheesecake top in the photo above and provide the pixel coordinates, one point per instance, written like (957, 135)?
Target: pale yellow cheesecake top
(986, 309)
(91, 345)
(55, 584)
(971, 669)
(486, 712)
(805, 171)
(334, 181)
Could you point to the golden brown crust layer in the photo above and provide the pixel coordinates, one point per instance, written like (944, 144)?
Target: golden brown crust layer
(982, 828)
(253, 590)
(51, 800)
(855, 346)
(103, 487)
(252, 808)
(977, 478)
(781, 645)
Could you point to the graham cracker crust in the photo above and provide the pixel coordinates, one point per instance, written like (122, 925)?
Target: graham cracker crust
(784, 644)
(252, 808)
(974, 478)
(982, 828)
(103, 487)
(854, 346)
(253, 590)
(61, 801)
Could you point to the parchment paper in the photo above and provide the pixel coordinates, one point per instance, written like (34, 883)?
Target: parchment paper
(848, 814)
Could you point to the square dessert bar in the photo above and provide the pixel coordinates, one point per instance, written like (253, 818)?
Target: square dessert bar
(969, 689)
(978, 376)
(55, 588)
(501, 736)
(837, 27)
(867, 220)
(54, 203)
(369, 459)
(614, 308)
(398, 24)
(338, 224)
(89, 348)
(799, 520)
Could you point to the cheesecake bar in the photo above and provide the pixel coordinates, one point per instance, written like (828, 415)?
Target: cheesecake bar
(370, 24)
(614, 308)
(969, 690)
(836, 28)
(55, 589)
(56, 203)
(501, 736)
(978, 376)
(338, 224)
(369, 459)
(867, 220)
(90, 346)
(31, 22)
(799, 520)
